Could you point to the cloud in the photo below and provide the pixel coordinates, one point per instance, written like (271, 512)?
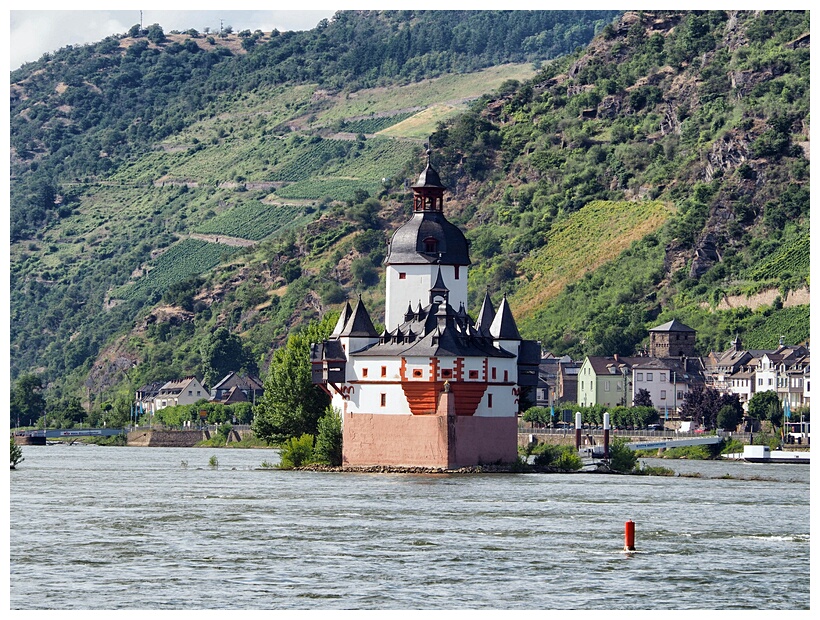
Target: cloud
(34, 33)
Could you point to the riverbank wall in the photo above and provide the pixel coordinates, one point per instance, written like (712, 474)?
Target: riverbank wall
(166, 439)
(153, 438)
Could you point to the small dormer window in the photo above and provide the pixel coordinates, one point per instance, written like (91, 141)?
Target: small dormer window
(431, 245)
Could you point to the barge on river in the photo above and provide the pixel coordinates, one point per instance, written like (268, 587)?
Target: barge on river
(764, 454)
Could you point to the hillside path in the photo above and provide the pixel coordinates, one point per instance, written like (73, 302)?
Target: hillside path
(224, 239)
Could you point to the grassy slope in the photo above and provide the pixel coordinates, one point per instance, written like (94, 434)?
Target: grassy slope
(593, 236)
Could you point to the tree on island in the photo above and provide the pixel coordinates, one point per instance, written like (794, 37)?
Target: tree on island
(292, 404)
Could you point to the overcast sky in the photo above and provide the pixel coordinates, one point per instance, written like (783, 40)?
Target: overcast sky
(34, 33)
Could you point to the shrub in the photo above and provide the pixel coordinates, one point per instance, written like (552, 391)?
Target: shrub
(653, 470)
(563, 458)
(296, 452)
(329, 438)
(568, 460)
(622, 458)
(16, 454)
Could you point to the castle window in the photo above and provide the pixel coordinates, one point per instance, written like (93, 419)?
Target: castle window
(364, 372)
(493, 372)
(473, 374)
(649, 376)
(383, 400)
(446, 373)
(417, 372)
(431, 245)
(402, 275)
(455, 272)
(489, 401)
(506, 375)
(384, 371)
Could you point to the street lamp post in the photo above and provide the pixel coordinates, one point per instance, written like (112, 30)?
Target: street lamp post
(626, 402)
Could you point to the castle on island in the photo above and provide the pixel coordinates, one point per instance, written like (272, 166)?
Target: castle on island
(436, 388)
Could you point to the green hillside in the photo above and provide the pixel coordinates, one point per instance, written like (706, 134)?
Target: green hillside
(607, 176)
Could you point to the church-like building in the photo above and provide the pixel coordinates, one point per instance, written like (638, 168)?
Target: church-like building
(436, 388)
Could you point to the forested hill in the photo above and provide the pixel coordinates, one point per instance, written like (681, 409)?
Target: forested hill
(96, 130)
(212, 199)
(83, 111)
(661, 173)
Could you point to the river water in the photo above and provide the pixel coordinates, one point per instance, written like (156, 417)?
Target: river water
(160, 528)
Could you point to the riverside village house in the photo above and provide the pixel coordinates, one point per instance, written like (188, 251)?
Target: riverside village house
(671, 368)
(436, 388)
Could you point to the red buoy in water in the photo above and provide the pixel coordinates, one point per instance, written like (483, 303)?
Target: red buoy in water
(629, 536)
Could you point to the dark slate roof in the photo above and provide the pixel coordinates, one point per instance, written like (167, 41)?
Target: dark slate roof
(330, 350)
(429, 178)
(242, 381)
(151, 389)
(602, 364)
(529, 353)
(359, 324)
(435, 330)
(504, 327)
(407, 244)
(235, 395)
(485, 316)
(347, 311)
(672, 326)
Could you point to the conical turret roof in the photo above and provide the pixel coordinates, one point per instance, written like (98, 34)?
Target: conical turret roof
(485, 316)
(504, 327)
(359, 325)
(347, 311)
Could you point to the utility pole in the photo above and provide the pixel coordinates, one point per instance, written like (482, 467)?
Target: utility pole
(675, 393)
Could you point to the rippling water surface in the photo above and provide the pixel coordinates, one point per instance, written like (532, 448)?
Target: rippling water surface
(158, 528)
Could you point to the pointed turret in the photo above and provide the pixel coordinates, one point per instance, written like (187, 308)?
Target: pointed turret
(439, 289)
(504, 327)
(423, 247)
(359, 324)
(343, 319)
(428, 191)
(485, 316)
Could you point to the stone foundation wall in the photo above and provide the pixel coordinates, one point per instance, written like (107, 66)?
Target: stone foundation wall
(480, 440)
(443, 441)
(394, 440)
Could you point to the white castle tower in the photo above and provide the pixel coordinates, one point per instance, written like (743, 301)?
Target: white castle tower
(426, 246)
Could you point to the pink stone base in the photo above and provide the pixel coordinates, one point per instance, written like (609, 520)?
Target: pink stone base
(428, 440)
